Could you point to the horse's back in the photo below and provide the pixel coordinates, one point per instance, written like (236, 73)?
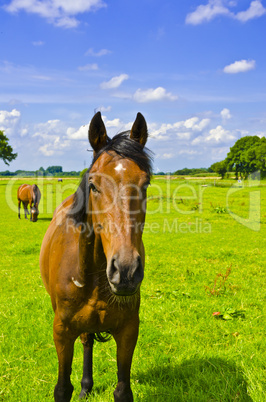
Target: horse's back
(24, 192)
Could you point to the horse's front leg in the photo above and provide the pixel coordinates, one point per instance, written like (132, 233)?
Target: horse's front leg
(126, 341)
(87, 380)
(64, 344)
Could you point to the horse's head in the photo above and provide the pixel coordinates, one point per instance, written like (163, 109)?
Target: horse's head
(34, 214)
(118, 180)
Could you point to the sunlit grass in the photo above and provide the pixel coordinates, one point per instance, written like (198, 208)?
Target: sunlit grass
(183, 353)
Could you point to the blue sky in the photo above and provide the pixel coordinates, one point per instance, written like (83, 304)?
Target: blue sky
(195, 69)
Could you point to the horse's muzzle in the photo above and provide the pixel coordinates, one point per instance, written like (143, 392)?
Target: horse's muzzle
(125, 277)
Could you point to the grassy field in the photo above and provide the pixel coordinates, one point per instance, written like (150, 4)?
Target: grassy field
(205, 253)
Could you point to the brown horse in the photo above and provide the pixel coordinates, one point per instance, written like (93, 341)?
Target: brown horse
(92, 256)
(28, 194)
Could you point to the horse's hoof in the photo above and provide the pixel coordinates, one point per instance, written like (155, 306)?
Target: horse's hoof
(123, 393)
(63, 394)
(86, 388)
(83, 394)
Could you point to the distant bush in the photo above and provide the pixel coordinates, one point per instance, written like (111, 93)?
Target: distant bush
(193, 171)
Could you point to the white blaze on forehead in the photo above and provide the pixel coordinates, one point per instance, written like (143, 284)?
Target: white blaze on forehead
(79, 285)
(119, 167)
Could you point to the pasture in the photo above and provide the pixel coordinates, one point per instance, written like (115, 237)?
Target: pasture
(205, 253)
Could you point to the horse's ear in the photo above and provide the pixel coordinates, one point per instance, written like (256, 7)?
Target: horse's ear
(139, 131)
(97, 133)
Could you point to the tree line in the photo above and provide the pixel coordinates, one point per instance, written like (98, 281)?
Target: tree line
(51, 171)
(246, 156)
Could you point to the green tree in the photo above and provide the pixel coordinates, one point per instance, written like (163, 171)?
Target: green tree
(54, 169)
(256, 157)
(241, 157)
(40, 172)
(6, 151)
(219, 168)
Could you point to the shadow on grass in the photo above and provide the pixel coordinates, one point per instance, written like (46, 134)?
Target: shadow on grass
(196, 380)
(45, 219)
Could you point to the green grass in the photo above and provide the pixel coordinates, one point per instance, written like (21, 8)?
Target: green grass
(183, 353)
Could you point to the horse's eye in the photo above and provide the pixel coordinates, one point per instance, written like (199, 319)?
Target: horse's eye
(93, 188)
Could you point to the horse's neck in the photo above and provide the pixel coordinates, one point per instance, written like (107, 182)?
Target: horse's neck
(34, 194)
(92, 260)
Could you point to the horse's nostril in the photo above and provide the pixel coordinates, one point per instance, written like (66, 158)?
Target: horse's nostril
(138, 272)
(114, 274)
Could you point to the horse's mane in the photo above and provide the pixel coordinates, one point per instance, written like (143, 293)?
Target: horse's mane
(35, 194)
(126, 148)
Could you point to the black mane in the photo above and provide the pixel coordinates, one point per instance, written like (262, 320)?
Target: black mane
(126, 148)
(35, 194)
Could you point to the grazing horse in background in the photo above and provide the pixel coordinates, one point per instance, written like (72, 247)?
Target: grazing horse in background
(92, 256)
(28, 194)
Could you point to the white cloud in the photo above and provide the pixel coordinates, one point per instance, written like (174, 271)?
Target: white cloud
(219, 134)
(80, 134)
(112, 123)
(205, 13)
(78, 6)
(52, 137)
(42, 77)
(38, 43)
(7, 117)
(52, 129)
(9, 122)
(188, 152)
(215, 136)
(193, 124)
(225, 114)
(150, 95)
(100, 53)
(66, 22)
(167, 156)
(240, 66)
(105, 109)
(214, 8)
(46, 150)
(184, 135)
(255, 10)
(58, 12)
(24, 131)
(89, 67)
(162, 133)
(114, 82)
(182, 129)
(57, 145)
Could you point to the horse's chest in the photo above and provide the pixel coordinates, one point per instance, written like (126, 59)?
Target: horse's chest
(92, 317)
